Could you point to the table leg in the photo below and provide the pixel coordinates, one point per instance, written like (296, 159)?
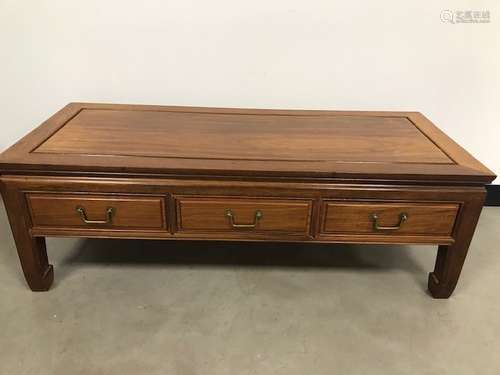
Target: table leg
(450, 258)
(32, 252)
(38, 272)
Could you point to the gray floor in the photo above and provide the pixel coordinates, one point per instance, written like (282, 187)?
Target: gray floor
(139, 307)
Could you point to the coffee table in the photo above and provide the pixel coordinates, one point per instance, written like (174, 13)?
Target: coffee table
(175, 173)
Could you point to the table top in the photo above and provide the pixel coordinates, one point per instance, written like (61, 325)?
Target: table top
(157, 140)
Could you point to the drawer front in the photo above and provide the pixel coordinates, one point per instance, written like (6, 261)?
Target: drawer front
(96, 211)
(389, 218)
(243, 215)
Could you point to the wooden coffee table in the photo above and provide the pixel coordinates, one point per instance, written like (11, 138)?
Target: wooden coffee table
(173, 173)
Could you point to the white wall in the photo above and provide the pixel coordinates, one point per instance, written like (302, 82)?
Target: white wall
(393, 55)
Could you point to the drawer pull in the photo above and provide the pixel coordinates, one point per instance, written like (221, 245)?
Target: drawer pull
(257, 217)
(83, 216)
(402, 218)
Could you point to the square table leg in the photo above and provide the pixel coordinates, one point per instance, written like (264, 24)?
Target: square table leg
(32, 252)
(450, 258)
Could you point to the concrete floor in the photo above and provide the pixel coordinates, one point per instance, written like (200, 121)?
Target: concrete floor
(148, 307)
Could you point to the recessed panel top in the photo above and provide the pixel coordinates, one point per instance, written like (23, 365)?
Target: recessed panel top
(131, 140)
(245, 136)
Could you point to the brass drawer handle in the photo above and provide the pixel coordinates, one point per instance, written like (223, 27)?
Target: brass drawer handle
(83, 215)
(257, 217)
(403, 216)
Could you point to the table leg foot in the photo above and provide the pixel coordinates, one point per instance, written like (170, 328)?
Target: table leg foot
(38, 272)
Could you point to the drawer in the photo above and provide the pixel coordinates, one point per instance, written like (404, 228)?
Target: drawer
(229, 214)
(389, 218)
(96, 211)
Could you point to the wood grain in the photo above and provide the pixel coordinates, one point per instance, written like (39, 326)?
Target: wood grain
(209, 214)
(59, 211)
(244, 137)
(189, 141)
(356, 217)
